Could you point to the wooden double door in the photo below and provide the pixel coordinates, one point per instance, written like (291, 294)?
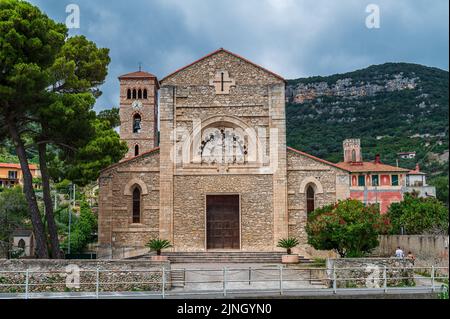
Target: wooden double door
(222, 222)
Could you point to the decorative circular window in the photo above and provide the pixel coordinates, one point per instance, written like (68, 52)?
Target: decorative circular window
(223, 146)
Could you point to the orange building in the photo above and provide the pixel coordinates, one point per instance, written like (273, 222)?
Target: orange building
(11, 174)
(372, 182)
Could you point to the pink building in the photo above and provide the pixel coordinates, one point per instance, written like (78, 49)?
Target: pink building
(372, 182)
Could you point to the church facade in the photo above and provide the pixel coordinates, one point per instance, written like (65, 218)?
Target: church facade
(219, 176)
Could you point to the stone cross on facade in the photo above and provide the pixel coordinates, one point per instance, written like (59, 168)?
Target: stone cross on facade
(222, 82)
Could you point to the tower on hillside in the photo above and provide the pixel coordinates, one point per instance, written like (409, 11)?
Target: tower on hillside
(352, 150)
(139, 112)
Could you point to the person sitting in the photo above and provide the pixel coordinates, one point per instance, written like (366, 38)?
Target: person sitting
(399, 253)
(411, 256)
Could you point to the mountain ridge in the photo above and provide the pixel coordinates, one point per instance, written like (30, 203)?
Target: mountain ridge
(392, 107)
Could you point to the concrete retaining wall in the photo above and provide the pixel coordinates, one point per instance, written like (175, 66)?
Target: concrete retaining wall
(428, 249)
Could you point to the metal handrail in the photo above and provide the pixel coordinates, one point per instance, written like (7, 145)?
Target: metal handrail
(281, 275)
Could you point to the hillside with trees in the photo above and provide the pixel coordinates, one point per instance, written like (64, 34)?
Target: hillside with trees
(393, 107)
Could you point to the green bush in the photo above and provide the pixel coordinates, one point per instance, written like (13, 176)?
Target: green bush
(158, 245)
(82, 230)
(288, 244)
(14, 212)
(418, 215)
(349, 227)
(444, 293)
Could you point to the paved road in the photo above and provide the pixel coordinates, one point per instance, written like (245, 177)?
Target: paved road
(311, 293)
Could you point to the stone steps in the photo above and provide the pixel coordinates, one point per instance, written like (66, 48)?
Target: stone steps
(177, 277)
(225, 257)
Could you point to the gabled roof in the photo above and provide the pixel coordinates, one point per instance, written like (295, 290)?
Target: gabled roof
(137, 74)
(130, 159)
(22, 233)
(414, 172)
(140, 75)
(316, 158)
(229, 52)
(17, 166)
(366, 167)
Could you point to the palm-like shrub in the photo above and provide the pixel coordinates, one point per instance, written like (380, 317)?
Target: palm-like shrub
(288, 243)
(158, 245)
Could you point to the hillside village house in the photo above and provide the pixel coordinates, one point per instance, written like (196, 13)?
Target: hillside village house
(11, 174)
(221, 176)
(416, 182)
(372, 182)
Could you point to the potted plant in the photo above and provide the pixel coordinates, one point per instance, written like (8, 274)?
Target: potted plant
(158, 245)
(288, 244)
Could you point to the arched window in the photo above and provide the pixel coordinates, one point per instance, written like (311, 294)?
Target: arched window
(136, 150)
(140, 94)
(137, 123)
(309, 199)
(353, 156)
(21, 244)
(136, 205)
(128, 94)
(134, 93)
(145, 93)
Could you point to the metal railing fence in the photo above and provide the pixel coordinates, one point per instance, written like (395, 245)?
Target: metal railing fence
(220, 282)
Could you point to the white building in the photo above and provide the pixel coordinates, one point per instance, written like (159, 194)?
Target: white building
(416, 182)
(407, 155)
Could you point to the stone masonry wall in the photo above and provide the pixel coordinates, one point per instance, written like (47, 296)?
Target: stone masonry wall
(52, 275)
(256, 209)
(147, 138)
(256, 100)
(116, 229)
(304, 171)
(369, 272)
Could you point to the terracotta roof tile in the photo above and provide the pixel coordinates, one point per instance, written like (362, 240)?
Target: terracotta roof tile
(316, 158)
(130, 159)
(13, 165)
(137, 74)
(370, 167)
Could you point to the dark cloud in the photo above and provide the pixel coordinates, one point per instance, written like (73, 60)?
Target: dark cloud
(291, 37)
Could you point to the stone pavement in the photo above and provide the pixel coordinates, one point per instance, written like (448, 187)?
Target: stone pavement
(209, 277)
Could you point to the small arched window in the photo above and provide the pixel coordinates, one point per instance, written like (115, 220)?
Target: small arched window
(128, 94)
(145, 93)
(310, 199)
(134, 93)
(137, 123)
(353, 156)
(140, 94)
(136, 150)
(21, 244)
(136, 205)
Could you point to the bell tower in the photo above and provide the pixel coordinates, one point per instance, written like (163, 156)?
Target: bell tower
(139, 112)
(352, 150)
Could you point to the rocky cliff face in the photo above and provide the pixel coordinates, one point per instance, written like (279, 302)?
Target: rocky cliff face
(347, 88)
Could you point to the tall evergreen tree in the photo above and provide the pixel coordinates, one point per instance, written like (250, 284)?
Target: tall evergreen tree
(48, 85)
(29, 45)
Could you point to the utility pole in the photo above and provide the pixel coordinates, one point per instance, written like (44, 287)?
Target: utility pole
(72, 206)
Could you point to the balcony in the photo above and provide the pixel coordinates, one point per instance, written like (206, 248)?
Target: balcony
(422, 191)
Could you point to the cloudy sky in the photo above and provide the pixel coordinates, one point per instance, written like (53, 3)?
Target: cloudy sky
(294, 38)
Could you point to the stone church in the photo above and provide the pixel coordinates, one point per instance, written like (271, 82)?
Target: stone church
(219, 176)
